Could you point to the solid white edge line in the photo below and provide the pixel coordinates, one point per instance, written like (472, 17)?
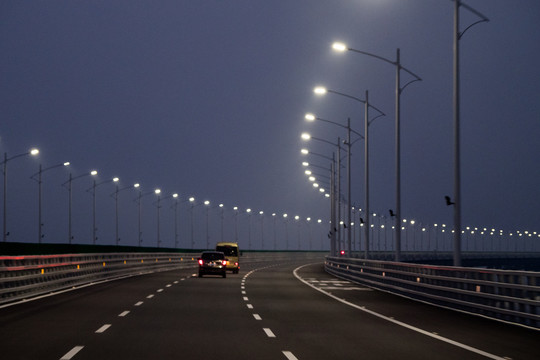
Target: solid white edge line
(410, 327)
(289, 355)
(269, 333)
(71, 353)
(103, 328)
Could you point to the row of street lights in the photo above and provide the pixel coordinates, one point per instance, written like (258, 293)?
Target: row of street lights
(38, 177)
(341, 47)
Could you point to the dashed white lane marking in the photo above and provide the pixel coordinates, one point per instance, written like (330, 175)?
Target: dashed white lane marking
(123, 313)
(289, 355)
(176, 282)
(168, 285)
(246, 298)
(269, 333)
(257, 317)
(397, 322)
(193, 275)
(69, 355)
(249, 306)
(160, 290)
(103, 328)
(244, 292)
(182, 279)
(150, 296)
(139, 303)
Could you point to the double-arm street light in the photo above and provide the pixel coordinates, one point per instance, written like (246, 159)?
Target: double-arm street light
(367, 121)
(32, 152)
(69, 188)
(115, 196)
(399, 89)
(93, 190)
(39, 181)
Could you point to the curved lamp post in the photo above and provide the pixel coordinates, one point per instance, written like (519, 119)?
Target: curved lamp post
(138, 201)
(115, 196)
(32, 152)
(69, 188)
(340, 47)
(322, 91)
(39, 181)
(93, 189)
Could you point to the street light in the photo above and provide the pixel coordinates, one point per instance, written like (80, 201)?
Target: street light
(93, 189)
(456, 99)
(207, 204)
(340, 47)
(69, 188)
(39, 181)
(115, 196)
(32, 152)
(321, 91)
(138, 201)
(158, 206)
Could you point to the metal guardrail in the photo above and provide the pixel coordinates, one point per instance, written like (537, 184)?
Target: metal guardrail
(510, 296)
(25, 277)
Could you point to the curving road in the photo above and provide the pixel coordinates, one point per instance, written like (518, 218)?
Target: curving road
(268, 311)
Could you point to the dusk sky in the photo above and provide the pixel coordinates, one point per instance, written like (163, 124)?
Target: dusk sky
(207, 98)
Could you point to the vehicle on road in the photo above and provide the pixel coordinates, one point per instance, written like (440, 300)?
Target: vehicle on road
(231, 251)
(212, 263)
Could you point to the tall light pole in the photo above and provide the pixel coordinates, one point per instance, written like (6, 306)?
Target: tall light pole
(93, 189)
(207, 204)
(322, 91)
(222, 207)
(115, 196)
(32, 152)
(176, 242)
(262, 229)
(39, 181)
(139, 206)
(158, 206)
(248, 211)
(69, 188)
(456, 101)
(192, 201)
(399, 89)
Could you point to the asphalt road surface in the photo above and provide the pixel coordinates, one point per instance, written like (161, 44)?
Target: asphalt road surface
(267, 311)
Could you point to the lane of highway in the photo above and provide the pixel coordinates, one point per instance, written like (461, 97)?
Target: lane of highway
(265, 312)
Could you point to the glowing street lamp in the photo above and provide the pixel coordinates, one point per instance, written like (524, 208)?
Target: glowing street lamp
(39, 181)
(32, 152)
(93, 189)
(69, 188)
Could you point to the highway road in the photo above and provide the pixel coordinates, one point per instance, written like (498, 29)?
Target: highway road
(267, 311)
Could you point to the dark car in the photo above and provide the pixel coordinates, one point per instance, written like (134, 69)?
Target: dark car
(212, 262)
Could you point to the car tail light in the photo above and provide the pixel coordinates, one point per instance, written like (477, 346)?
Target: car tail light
(224, 262)
(235, 264)
(201, 261)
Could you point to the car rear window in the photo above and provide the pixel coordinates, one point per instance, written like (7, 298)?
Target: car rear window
(228, 250)
(212, 256)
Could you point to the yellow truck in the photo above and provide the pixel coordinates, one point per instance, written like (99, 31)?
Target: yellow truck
(232, 253)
